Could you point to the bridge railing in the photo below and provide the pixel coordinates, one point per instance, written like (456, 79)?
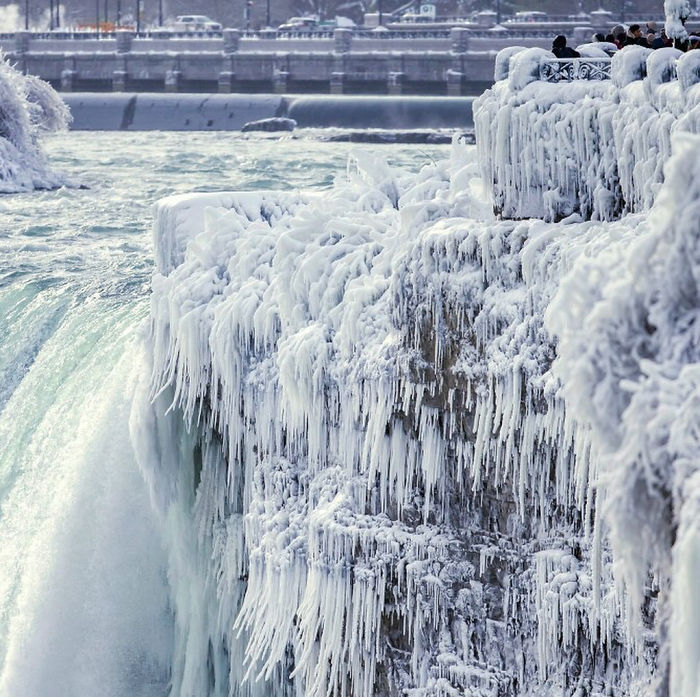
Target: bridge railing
(569, 69)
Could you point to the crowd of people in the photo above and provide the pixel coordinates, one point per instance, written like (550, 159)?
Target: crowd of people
(620, 36)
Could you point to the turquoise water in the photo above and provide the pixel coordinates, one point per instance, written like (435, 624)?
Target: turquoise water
(83, 592)
(98, 239)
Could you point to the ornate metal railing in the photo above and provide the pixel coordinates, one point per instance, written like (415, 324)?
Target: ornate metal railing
(570, 69)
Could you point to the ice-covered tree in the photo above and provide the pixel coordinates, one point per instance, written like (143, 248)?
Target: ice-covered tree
(677, 11)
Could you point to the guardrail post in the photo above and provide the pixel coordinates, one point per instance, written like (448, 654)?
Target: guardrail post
(395, 83)
(124, 39)
(227, 76)
(395, 75)
(119, 81)
(232, 38)
(119, 75)
(68, 74)
(280, 80)
(226, 81)
(454, 80)
(22, 41)
(342, 40)
(460, 39)
(172, 80)
(455, 75)
(338, 82)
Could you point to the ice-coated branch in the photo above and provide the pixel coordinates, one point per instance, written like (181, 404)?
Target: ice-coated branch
(677, 12)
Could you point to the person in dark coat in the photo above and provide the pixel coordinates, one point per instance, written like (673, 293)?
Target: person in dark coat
(561, 50)
(635, 36)
(661, 41)
(619, 35)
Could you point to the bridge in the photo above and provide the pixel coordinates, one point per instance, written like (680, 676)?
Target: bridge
(454, 62)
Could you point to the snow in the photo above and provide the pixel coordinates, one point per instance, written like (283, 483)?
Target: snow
(399, 443)
(643, 310)
(594, 148)
(30, 107)
(524, 67)
(598, 49)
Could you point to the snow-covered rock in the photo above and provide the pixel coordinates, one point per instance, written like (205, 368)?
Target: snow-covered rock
(402, 446)
(29, 107)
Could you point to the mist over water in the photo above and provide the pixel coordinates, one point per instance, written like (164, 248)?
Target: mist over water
(83, 590)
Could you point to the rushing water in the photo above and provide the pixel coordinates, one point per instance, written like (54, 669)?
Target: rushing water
(83, 593)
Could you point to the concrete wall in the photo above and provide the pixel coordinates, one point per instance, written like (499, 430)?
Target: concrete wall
(454, 63)
(189, 112)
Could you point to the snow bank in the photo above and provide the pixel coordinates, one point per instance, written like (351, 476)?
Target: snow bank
(592, 147)
(379, 466)
(29, 108)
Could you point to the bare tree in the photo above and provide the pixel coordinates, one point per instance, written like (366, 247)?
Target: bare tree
(327, 9)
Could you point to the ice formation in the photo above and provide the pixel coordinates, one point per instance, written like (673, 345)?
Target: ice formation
(677, 11)
(29, 107)
(592, 147)
(402, 446)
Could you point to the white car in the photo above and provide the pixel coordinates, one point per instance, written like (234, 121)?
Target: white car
(195, 23)
(298, 24)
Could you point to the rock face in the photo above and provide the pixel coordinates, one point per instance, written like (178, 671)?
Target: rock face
(403, 447)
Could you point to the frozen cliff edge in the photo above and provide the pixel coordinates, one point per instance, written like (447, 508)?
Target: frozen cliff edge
(29, 108)
(594, 147)
(398, 444)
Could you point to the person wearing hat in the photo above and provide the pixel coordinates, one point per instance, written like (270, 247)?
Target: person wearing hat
(693, 42)
(561, 50)
(619, 34)
(651, 33)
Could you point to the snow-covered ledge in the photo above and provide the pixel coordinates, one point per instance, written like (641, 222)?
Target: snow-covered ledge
(555, 141)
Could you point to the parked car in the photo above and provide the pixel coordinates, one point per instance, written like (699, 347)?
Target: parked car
(195, 23)
(530, 16)
(298, 24)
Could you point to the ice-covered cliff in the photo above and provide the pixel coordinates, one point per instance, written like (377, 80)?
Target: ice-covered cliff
(29, 107)
(401, 446)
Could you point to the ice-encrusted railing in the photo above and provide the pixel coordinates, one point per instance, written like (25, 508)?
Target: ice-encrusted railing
(567, 69)
(555, 138)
